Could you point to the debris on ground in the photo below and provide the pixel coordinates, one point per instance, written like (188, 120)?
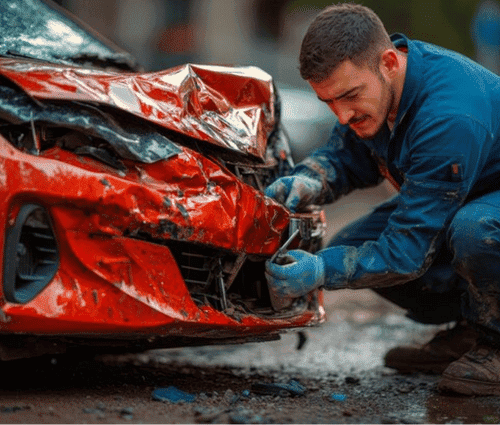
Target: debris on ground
(351, 380)
(302, 339)
(172, 395)
(15, 408)
(293, 388)
(338, 397)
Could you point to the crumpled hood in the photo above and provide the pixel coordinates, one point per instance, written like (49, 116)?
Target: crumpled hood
(232, 107)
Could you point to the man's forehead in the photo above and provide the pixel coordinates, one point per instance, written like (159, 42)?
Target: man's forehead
(345, 77)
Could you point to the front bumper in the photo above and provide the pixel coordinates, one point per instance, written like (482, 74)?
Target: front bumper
(121, 240)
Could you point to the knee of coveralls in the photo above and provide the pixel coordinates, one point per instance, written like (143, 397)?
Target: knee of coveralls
(435, 297)
(474, 237)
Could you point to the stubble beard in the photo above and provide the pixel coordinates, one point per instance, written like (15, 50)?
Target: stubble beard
(391, 96)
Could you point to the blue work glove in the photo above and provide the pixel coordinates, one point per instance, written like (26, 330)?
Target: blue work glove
(295, 192)
(302, 273)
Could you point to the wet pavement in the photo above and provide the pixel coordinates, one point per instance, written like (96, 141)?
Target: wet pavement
(344, 358)
(336, 377)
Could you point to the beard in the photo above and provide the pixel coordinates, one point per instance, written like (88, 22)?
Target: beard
(386, 105)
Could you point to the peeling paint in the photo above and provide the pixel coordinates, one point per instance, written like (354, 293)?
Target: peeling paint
(3, 175)
(152, 303)
(51, 303)
(3, 317)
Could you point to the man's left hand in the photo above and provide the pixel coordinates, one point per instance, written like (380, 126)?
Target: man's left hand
(302, 273)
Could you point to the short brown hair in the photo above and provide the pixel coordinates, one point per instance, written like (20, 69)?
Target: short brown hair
(340, 32)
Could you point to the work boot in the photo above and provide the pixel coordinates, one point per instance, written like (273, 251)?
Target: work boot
(435, 356)
(475, 373)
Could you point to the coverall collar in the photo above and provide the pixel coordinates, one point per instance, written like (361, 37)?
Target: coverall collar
(413, 78)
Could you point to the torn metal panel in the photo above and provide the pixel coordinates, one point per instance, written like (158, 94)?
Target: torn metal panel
(135, 140)
(230, 107)
(201, 202)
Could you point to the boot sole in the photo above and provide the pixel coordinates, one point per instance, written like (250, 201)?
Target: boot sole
(468, 386)
(428, 368)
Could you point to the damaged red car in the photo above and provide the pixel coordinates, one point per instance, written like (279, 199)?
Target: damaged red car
(133, 215)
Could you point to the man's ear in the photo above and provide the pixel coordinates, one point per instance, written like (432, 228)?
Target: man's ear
(389, 63)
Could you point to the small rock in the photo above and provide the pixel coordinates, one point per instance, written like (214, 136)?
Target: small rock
(101, 406)
(95, 412)
(206, 414)
(405, 389)
(127, 413)
(202, 397)
(351, 380)
(12, 409)
(247, 419)
(228, 396)
(454, 421)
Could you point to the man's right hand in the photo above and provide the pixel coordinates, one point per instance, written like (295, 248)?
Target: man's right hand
(295, 192)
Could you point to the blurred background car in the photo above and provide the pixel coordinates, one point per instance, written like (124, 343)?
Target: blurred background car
(308, 121)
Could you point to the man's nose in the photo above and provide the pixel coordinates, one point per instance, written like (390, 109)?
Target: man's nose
(344, 114)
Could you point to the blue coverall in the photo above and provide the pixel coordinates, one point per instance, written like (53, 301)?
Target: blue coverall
(435, 247)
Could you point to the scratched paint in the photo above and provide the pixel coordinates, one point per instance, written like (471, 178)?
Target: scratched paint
(109, 281)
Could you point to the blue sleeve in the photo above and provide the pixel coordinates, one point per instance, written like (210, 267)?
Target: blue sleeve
(343, 165)
(441, 161)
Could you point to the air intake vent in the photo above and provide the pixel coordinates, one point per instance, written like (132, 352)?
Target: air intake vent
(31, 257)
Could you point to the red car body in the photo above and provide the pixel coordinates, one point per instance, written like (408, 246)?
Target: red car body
(133, 211)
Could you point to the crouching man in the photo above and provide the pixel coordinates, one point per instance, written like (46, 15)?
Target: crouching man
(428, 119)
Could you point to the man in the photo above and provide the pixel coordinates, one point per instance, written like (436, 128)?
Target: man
(429, 119)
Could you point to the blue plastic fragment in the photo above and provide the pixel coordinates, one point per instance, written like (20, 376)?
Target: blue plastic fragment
(338, 397)
(173, 395)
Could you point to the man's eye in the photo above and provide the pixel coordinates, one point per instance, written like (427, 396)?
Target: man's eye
(351, 96)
